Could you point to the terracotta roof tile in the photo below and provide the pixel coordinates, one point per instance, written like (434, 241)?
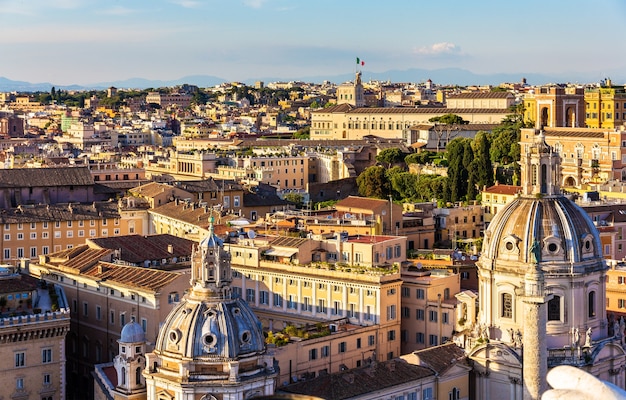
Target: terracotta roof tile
(360, 381)
(45, 177)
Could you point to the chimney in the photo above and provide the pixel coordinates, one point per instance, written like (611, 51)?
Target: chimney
(170, 249)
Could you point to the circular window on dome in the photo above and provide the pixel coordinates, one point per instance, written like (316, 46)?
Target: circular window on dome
(209, 340)
(509, 246)
(553, 247)
(587, 245)
(211, 313)
(245, 337)
(174, 335)
(236, 311)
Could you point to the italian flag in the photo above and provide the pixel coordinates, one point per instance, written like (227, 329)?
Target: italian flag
(359, 62)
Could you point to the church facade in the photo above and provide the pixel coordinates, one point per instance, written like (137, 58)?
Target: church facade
(542, 291)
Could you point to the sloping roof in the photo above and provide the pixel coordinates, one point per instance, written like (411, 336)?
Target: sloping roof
(18, 283)
(258, 200)
(439, 358)
(137, 277)
(150, 190)
(137, 248)
(503, 189)
(365, 203)
(59, 212)
(207, 185)
(45, 177)
(359, 381)
(575, 132)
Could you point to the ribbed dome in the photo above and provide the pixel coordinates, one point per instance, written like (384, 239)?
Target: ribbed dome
(132, 332)
(564, 232)
(211, 331)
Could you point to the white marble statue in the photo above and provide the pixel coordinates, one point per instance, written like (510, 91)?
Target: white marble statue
(571, 383)
(575, 337)
(588, 337)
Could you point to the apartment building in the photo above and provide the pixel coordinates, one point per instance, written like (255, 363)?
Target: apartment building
(588, 155)
(103, 297)
(156, 194)
(459, 226)
(169, 99)
(282, 171)
(428, 313)
(32, 230)
(32, 344)
(605, 106)
(180, 166)
(495, 197)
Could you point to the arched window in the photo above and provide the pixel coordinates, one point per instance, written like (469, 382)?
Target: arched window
(455, 394)
(554, 309)
(123, 376)
(592, 304)
(507, 305)
(138, 376)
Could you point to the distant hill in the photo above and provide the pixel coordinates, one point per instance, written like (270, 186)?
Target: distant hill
(443, 76)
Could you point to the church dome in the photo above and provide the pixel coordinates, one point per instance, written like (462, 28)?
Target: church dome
(566, 236)
(132, 332)
(201, 329)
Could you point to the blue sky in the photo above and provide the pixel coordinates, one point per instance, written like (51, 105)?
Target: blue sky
(86, 41)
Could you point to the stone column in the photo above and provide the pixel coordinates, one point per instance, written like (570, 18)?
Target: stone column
(535, 352)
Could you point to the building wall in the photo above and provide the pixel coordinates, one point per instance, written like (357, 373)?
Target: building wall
(428, 308)
(588, 155)
(32, 338)
(31, 239)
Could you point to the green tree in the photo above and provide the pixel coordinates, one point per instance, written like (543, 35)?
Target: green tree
(295, 198)
(390, 156)
(304, 133)
(446, 125)
(373, 182)
(457, 170)
(482, 160)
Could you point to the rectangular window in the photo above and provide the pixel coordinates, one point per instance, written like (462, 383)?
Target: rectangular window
(235, 201)
(44, 235)
(342, 347)
(19, 384)
(420, 293)
(419, 338)
(427, 394)
(112, 317)
(325, 351)
(321, 306)
(432, 340)
(7, 254)
(250, 295)
(391, 312)
(20, 359)
(307, 306)
(264, 297)
(33, 252)
(85, 309)
(46, 356)
(46, 379)
(391, 335)
(432, 316)
(444, 318)
(278, 300)
(337, 308)
(122, 318)
(406, 312)
(98, 313)
(371, 340)
(33, 235)
(406, 292)
(419, 314)
(312, 354)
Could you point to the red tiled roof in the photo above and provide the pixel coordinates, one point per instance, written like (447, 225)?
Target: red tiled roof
(503, 189)
(365, 203)
(18, 283)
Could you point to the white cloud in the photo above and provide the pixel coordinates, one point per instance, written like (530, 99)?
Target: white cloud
(254, 3)
(187, 3)
(118, 10)
(437, 49)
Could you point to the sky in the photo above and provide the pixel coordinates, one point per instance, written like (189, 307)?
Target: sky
(89, 41)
